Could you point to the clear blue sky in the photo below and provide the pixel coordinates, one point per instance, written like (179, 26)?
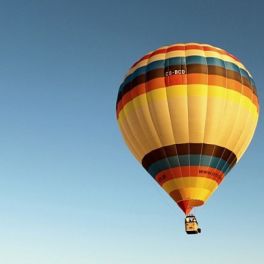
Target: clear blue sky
(70, 191)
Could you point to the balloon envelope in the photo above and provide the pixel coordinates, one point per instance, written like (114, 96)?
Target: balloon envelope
(188, 112)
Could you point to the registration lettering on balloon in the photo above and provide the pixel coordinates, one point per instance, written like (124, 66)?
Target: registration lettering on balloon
(209, 172)
(174, 72)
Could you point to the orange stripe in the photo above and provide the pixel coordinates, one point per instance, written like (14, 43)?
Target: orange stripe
(189, 171)
(193, 78)
(255, 101)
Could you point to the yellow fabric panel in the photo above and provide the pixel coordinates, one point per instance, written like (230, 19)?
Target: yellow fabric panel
(247, 129)
(246, 136)
(175, 91)
(198, 90)
(160, 115)
(160, 128)
(184, 53)
(224, 114)
(130, 140)
(147, 119)
(187, 182)
(142, 127)
(214, 113)
(246, 139)
(192, 194)
(164, 118)
(232, 124)
(197, 106)
(141, 108)
(238, 127)
(131, 112)
(178, 108)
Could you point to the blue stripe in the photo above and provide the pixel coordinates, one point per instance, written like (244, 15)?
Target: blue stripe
(161, 64)
(187, 160)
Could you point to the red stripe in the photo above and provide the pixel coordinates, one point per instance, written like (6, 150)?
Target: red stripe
(189, 171)
(187, 205)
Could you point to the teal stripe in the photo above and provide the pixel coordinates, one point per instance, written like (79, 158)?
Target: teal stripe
(161, 64)
(187, 160)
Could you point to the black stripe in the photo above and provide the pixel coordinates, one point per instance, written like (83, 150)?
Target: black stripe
(189, 149)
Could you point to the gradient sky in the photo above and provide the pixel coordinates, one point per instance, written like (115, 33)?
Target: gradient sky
(70, 190)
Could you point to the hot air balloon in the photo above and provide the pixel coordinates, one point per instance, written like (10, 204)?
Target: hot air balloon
(188, 112)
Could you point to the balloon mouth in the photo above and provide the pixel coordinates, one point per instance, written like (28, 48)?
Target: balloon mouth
(187, 205)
